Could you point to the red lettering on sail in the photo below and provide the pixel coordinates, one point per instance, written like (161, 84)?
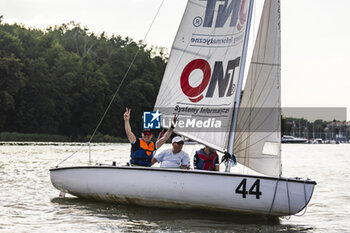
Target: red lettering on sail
(242, 16)
(219, 81)
(195, 93)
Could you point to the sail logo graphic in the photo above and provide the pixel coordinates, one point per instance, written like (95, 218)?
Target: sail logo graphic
(224, 80)
(235, 9)
(151, 120)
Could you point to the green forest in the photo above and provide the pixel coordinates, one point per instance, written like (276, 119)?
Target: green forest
(59, 81)
(55, 85)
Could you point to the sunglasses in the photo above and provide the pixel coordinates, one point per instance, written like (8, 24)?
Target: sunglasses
(147, 133)
(180, 142)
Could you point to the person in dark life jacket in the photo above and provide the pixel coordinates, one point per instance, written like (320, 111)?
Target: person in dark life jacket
(143, 149)
(206, 159)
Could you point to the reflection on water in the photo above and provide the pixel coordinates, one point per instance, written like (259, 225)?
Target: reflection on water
(29, 202)
(135, 218)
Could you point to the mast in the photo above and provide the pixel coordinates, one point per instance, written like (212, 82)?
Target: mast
(239, 87)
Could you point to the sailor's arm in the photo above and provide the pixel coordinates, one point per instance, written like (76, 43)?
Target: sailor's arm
(217, 164)
(185, 161)
(167, 134)
(129, 133)
(195, 160)
(154, 160)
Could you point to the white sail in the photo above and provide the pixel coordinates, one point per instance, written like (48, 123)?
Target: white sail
(202, 72)
(257, 141)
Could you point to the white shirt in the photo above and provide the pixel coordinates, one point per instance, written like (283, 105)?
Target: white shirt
(168, 159)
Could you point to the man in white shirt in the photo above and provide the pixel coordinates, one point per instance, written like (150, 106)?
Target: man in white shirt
(175, 157)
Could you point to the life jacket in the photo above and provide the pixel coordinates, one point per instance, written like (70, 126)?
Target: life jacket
(206, 162)
(143, 156)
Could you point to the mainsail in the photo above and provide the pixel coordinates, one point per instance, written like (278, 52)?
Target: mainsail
(199, 84)
(257, 141)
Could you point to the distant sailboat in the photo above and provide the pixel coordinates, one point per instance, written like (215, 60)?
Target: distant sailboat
(292, 139)
(202, 83)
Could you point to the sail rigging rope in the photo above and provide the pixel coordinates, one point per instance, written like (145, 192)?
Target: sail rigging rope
(288, 195)
(274, 196)
(85, 144)
(126, 73)
(116, 92)
(305, 201)
(289, 212)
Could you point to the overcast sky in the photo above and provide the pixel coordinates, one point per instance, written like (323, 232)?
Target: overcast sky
(315, 37)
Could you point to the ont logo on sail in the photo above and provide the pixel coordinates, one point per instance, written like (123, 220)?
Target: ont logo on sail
(225, 10)
(217, 78)
(236, 9)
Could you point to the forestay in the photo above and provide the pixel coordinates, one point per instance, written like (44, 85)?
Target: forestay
(257, 142)
(200, 80)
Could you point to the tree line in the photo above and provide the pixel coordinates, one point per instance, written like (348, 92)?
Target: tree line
(60, 80)
(327, 130)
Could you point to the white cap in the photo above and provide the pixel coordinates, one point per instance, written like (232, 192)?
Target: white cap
(177, 139)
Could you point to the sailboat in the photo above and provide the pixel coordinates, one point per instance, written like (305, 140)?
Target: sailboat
(202, 85)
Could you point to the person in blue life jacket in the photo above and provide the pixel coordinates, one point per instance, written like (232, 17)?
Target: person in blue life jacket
(143, 149)
(206, 159)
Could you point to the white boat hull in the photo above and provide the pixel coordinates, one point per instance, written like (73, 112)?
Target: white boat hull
(178, 188)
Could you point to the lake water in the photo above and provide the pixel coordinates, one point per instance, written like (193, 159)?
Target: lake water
(29, 203)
